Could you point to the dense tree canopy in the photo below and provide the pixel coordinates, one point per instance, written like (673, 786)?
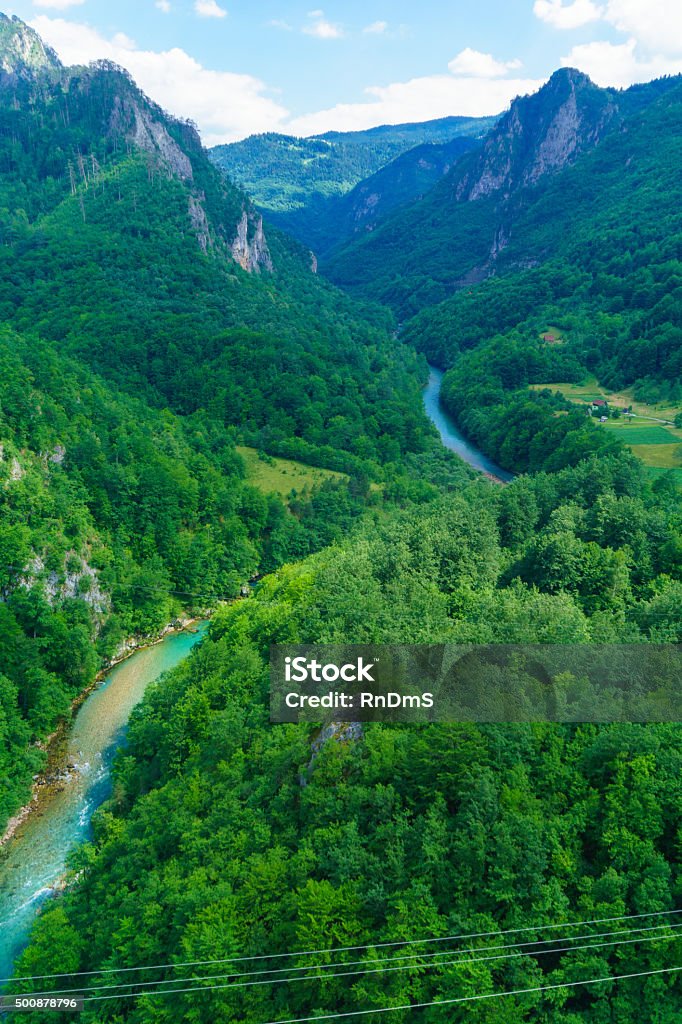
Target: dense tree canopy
(136, 352)
(232, 837)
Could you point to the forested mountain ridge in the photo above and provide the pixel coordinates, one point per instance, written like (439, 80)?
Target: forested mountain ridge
(594, 264)
(298, 181)
(144, 357)
(102, 114)
(127, 247)
(478, 210)
(539, 134)
(551, 254)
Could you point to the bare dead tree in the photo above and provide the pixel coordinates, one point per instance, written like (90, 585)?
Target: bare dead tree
(81, 168)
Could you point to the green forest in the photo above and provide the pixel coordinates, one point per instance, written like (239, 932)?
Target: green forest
(166, 360)
(315, 188)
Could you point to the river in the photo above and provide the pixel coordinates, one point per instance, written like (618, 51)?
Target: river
(33, 861)
(450, 434)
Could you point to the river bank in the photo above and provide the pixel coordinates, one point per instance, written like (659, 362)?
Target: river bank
(57, 769)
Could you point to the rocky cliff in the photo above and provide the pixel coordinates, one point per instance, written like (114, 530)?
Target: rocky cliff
(539, 134)
(471, 224)
(22, 51)
(250, 247)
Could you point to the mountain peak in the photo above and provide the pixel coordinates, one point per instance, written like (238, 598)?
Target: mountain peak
(22, 51)
(571, 76)
(540, 134)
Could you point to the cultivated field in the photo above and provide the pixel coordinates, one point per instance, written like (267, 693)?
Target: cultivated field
(657, 444)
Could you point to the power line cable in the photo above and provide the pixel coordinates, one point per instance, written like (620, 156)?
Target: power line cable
(211, 988)
(461, 961)
(239, 983)
(346, 949)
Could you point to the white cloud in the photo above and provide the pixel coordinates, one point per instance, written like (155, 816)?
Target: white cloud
(209, 9)
(652, 47)
(419, 99)
(655, 24)
(571, 15)
(225, 105)
(281, 24)
(321, 28)
(58, 5)
(617, 64)
(377, 28)
(124, 42)
(163, 5)
(474, 64)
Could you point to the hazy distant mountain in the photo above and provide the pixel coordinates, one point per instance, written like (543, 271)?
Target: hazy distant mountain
(359, 211)
(294, 179)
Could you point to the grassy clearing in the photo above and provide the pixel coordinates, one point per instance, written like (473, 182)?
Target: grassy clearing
(553, 335)
(585, 392)
(658, 445)
(659, 410)
(281, 476)
(658, 456)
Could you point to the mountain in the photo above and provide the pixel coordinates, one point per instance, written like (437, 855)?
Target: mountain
(594, 263)
(150, 322)
(563, 224)
(128, 248)
(294, 180)
(453, 237)
(227, 837)
(540, 134)
(469, 212)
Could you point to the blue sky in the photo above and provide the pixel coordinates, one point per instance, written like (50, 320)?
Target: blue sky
(237, 67)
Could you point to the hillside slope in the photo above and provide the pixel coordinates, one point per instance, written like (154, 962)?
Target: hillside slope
(587, 284)
(227, 836)
(400, 182)
(230, 837)
(126, 246)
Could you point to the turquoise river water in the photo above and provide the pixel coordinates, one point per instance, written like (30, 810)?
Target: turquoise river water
(450, 434)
